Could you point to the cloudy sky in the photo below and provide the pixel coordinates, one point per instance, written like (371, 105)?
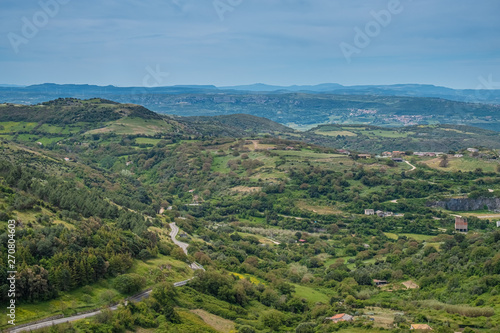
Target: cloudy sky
(451, 43)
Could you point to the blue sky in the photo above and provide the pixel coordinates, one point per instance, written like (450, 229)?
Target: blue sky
(451, 43)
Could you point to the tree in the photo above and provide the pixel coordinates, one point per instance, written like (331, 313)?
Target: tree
(350, 300)
(272, 319)
(129, 283)
(179, 254)
(444, 161)
(305, 328)
(246, 329)
(166, 295)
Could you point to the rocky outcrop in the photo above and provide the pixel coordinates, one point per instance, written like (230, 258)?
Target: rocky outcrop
(469, 204)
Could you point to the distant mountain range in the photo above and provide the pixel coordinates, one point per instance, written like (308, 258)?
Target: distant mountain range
(410, 90)
(18, 94)
(299, 107)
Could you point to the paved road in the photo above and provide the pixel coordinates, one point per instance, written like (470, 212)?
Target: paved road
(56, 322)
(135, 298)
(173, 234)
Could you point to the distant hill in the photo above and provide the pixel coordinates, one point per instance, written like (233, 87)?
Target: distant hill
(100, 116)
(235, 125)
(485, 95)
(71, 110)
(260, 87)
(300, 110)
(52, 121)
(431, 138)
(299, 107)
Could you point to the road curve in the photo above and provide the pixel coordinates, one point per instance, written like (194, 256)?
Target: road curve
(135, 298)
(173, 234)
(412, 166)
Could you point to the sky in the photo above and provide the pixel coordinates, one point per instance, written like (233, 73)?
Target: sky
(452, 43)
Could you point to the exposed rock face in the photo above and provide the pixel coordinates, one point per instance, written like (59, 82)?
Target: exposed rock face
(469, 204)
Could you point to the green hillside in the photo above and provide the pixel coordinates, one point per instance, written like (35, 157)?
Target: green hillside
(279, 225)
(435, 138)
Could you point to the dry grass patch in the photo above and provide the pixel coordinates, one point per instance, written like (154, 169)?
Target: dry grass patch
(256, 145)
(384, 318)
(218, 323)
(323, 210)
(410, 284)
(246, 189)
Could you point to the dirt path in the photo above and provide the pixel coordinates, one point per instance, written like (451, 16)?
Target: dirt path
(255, 144)
(412, 166)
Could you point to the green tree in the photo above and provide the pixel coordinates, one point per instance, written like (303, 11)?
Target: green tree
(129, 283)
(166, 295)
(272, 319)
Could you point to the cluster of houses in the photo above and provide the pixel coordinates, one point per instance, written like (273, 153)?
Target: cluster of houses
(397, 156)
(428, 154)
(379, 213)
(395, 153)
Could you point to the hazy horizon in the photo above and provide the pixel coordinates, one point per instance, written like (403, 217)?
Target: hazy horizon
(278, 42)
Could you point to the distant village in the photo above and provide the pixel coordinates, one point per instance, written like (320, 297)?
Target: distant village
(397, 156)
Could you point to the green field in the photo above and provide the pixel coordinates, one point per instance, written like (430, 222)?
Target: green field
(311, 294)
(10, 126)
(149, 141)
(336, 133)
(134, 126)
(416, 237)
(463, 164)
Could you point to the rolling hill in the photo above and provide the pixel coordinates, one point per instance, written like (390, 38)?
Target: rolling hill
(51, 122)
(297, 107)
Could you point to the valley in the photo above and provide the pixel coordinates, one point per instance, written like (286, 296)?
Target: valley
(291, 227)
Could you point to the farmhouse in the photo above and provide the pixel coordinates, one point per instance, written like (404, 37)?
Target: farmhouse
(461, 224)
(365, 156)
(369, 212)
(340, 317)
(384, 214)
(473, 150)
(397, 159)
(420, 327)
(380, 282)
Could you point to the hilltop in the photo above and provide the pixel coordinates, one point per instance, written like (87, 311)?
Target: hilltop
(72, 110)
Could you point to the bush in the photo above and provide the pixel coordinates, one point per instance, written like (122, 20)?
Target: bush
(246, 329)
(129, 283)
(305, 328)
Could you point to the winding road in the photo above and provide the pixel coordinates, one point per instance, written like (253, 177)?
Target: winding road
(135, 298)
(173, 234)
